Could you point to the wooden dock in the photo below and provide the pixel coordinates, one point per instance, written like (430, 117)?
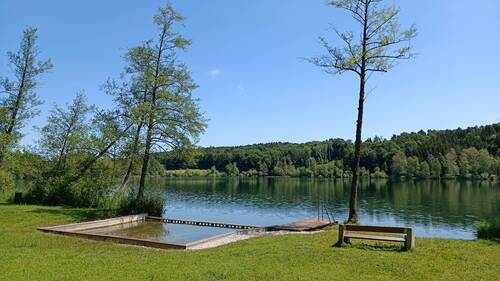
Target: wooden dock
(303, 225)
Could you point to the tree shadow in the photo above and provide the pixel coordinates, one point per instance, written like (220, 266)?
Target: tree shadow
(372, 246)
(78, 214)
(490, 240)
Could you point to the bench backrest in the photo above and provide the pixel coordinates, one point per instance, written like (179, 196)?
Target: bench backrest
(380, 229)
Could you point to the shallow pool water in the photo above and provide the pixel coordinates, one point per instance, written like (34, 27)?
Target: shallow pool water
(163, 232)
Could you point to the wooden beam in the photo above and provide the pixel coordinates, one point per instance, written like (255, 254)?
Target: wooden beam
(381, 229)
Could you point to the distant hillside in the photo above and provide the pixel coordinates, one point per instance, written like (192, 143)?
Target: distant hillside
(470, 153)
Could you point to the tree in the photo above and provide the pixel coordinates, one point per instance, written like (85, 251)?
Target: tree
(19, 99)
(232, 169)
(399, 164)
(263, 169)
(413, 166)
(451, 167)
(168, 113)
(424, 171)
(435, 166)
(379, 47)
(67, 131)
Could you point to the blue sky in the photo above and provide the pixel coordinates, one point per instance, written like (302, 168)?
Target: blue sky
(246, 58)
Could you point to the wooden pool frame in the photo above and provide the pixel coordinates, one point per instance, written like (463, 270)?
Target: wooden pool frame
(81, 230)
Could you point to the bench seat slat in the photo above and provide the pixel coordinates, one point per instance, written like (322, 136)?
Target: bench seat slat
(381, 229)
(373, 237)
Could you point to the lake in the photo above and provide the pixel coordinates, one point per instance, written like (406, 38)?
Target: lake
(445, 209)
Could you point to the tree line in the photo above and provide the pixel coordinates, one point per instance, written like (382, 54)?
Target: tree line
(471, 153)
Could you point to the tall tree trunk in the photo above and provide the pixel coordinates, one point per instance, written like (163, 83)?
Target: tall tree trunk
(130, 168)
(353, 208)
(353, 200)
(145, 161)
(149, 133)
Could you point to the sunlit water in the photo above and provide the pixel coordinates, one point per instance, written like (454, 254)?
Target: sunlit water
(447, 209)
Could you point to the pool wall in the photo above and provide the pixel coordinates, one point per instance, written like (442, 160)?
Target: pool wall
(82, 230)
(76, 229)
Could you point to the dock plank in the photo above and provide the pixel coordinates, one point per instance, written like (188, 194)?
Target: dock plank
(303, 225)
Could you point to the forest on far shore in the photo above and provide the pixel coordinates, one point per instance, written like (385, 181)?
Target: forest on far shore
(471, 153)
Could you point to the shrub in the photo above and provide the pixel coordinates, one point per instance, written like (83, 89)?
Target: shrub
(488, 229)
(7, 181)
(193, 173)
(232, 169)
(379, 174)
(91, 190)
(152, 205)
(250, 173)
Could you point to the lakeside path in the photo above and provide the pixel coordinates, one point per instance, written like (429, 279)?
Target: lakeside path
(27, 254)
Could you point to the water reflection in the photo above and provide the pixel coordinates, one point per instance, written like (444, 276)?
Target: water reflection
(434, 208)
(157, 231)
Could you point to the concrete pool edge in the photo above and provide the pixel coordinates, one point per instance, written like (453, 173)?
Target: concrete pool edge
(241, 232)
(80, 230)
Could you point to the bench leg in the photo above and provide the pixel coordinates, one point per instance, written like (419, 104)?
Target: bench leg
(410, 239)
(341, 235)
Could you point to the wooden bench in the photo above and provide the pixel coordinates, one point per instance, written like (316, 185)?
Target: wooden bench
(350, 231)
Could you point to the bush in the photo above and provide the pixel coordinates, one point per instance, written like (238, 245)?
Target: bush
(152, 205)
(7, 181)
(488, 229)
(379, 174)
(94, 189)
(250, 173)
(193, 173)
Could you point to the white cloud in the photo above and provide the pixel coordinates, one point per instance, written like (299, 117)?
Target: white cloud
(215, 72)
(241, 88)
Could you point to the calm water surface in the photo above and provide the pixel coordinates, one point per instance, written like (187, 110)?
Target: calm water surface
(446, 209)
(165, 232)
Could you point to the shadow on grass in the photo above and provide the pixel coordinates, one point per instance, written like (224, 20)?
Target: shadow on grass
(77, 214)
(490, 240)
(372, 247)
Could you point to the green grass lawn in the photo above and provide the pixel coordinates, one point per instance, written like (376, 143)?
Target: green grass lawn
(27, 254)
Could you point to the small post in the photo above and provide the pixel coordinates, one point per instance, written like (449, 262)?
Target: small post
(410, 239)
(341, 235)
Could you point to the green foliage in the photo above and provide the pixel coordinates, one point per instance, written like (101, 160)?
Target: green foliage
(378, 174)
(193, 173)
(250, 173)
(488, 229)
(93, 189)
(333, 158)
(155, 96)
(376, 45)
(451, 167)
(424, 171)
(6, 182)
(152, 205)
(232, 169)
(19, 100)
(67, 131)
(399, 165)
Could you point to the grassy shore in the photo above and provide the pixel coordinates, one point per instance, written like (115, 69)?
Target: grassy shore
(27, 254)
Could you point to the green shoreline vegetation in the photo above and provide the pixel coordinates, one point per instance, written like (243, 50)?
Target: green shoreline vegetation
(470, 153)
(28, 254)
